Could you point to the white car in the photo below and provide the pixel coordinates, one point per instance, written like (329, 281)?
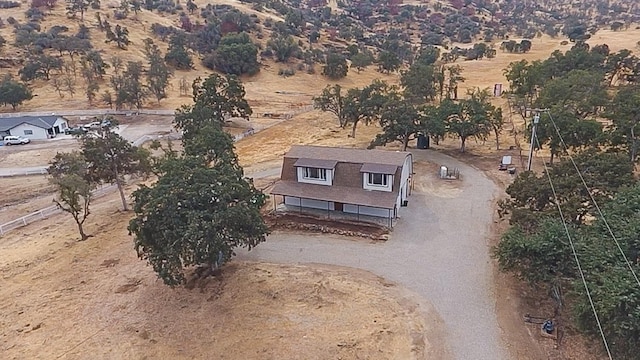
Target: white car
(92, 125)
(15, 140)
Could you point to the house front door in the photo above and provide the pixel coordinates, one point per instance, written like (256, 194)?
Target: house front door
(337, 206)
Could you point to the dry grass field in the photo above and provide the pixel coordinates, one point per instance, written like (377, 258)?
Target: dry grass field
(60, 298)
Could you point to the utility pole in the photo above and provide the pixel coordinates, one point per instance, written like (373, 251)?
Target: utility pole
(534, 124)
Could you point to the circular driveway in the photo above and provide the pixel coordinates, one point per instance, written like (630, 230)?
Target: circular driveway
(438, 249)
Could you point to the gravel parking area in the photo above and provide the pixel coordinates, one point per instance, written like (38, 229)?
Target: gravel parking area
(438, 249)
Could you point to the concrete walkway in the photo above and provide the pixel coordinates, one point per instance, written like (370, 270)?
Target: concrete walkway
(439, 249)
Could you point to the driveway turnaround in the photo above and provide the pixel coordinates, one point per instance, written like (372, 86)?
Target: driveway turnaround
(438, 249)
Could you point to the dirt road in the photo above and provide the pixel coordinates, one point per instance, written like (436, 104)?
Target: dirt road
(439, 249)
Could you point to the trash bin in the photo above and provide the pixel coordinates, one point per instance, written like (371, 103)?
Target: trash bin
(423, 141)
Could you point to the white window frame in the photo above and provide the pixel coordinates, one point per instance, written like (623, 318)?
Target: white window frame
(325, 176)
(368, 182)
(307, 173)
(371, 179)
(28, 132)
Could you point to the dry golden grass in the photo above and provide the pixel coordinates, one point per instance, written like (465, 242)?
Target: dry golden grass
(97, 299)
(80, 295)
(487, 72)
(261, 89)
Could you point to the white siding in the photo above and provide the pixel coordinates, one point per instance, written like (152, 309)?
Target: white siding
(37, 132)
(366, 210)
(407, 169)
(367, 186)
(302, 179)
(61, 123)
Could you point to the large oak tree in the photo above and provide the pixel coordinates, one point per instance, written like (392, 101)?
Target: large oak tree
(202, 207)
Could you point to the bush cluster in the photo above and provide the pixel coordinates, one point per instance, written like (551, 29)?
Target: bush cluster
(5, 4)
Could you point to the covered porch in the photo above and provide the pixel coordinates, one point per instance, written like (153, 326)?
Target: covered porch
(336, 202)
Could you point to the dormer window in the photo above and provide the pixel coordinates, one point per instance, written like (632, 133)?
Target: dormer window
(310, 173)
(378, 179)
(315, 171)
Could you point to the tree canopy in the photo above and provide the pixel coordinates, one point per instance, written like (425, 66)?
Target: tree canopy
(543, 258)
(13, 93)
(336, 66)
(69, 173)
(236, 54)
(110, 158)
(202, 207)
(215, 99)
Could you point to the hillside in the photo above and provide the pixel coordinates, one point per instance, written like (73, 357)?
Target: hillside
(312, 31)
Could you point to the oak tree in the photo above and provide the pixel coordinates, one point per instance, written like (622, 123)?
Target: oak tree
(236, 54)
(215, 99)
(177, 54)
(331, 100)
(336, 66)
(624, 114)
(400, 121)
(202, 207)
(120, 35)
(158, 73)
(110, 158)
(13, 93)
(68, 172)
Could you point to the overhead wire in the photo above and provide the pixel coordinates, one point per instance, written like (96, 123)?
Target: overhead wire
(575, 255)
(593, 200)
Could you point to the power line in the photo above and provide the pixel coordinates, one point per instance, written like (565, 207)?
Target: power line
(575, 254)
(595, 203)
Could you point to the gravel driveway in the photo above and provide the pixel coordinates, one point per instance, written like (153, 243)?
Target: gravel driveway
(439, 249)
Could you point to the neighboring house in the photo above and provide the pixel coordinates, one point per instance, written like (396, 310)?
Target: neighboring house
(362, 182)
(33, 127)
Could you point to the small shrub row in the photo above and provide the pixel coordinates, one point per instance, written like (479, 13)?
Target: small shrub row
(286, 72)
(163, 32)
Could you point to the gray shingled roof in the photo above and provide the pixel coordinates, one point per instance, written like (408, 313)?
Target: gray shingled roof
(357, 156)
(45, 122)
(379, 168)
(316, 163)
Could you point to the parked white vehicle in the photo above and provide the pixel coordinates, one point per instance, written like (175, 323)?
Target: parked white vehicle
(15, 140)
(92, 125)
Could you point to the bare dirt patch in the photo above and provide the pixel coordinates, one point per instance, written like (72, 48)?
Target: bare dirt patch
(316, 224)
(61, 297)
(427, 181)
(23, 188)
(23, 195)
(35, 153)
(311, 128)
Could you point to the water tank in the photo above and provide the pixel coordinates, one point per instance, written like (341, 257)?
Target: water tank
(443, 172)
(423, 141)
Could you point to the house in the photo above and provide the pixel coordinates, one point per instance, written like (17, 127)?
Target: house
(33, 127)
(361, 182)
